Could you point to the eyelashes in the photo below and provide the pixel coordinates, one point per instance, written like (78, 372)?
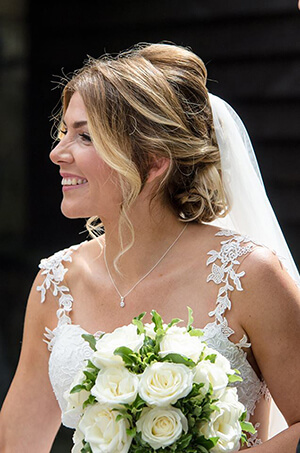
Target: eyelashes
(84, 136)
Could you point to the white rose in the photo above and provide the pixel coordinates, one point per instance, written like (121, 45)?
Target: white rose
(74, 401)
(163, 383)
(161, 427)
(122, 336)
(77, 439)
(115, 386)
(220, 360)
(225, 423)
(178, 340)
(210, 373)
(230, 396)
(103, 432)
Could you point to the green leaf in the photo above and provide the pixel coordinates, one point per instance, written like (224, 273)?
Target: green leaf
(248, 427)
(208, 443)
(156, 318)
(137, 321)
(244, 439)
(126, 354)
(92, 366)
(211, 358)
(234, 378)
(140, 316)
(243, 416)
(215, 408)
(91, 400)
(90, 339)
(178, 358)
(196, 332)
(86, 448)
(78, 388)
(184, 441)
(190, 319)
(89, 375)
(173, 322)
(131, 431)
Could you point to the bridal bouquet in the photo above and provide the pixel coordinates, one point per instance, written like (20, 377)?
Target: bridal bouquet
(156, 388)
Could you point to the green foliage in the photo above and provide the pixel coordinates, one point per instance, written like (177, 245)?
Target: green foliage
(137, 321)
(190, 319)
(90, 339)
(234, 377)
(248, 427)
(178, 358)
(211, 358)
(86, 447)
(91, 400)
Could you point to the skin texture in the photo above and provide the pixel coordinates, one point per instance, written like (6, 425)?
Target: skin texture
(267, 310)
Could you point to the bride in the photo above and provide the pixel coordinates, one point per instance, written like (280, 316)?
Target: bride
(169, 170)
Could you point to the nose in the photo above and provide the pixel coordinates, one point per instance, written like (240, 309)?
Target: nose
(61, 154)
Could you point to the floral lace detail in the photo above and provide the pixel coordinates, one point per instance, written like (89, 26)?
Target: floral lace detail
(265, 392)
(54, 272)
(217, 333)
(253, 441)
(243, 343)
(225, 273)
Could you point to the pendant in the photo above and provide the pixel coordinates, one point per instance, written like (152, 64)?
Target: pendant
(122, 303)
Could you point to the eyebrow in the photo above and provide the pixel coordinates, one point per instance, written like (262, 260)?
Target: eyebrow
(76, 124)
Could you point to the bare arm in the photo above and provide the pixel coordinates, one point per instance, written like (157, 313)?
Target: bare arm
(30, 416)
(270, 314)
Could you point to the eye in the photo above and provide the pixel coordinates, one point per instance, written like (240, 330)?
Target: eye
(85, 137)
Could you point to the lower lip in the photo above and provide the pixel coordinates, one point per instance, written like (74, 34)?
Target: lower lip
(78, 186)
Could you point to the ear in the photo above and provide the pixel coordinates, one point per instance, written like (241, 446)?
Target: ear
(159, 166)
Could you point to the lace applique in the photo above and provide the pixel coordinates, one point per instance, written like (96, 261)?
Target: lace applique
(225, 273)
(253, 441)
(217, 333)
(243, 343)
(264, 391)
(54, 272)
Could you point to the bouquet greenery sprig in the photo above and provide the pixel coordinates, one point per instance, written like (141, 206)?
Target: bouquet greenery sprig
(156, 388)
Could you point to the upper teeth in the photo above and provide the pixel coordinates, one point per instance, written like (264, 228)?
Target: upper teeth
(72, 181)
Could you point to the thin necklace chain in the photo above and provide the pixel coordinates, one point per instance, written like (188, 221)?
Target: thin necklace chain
(122, 298)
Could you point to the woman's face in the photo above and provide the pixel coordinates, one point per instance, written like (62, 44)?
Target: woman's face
(90, 187)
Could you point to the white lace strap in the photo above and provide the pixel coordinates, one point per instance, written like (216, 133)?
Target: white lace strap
(224, 273)
(54, 272)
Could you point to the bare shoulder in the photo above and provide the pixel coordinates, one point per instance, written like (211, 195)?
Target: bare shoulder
(266, 277)
(269, 312)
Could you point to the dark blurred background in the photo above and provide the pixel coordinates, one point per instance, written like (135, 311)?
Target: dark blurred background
(252, 52)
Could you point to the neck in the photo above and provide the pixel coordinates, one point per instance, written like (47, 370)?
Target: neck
(154, 232)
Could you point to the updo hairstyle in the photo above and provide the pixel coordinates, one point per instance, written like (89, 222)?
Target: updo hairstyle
(152, 101)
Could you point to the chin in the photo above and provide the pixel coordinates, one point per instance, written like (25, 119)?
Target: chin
(73, 212)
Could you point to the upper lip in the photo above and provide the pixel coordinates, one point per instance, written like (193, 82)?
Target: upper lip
(70, 175)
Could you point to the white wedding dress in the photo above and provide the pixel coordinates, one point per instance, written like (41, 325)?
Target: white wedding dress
(69, 350)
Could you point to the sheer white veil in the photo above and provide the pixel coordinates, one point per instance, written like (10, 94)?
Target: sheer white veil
(251, 213)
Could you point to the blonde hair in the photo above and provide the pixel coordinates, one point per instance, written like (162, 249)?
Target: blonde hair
(152, 101)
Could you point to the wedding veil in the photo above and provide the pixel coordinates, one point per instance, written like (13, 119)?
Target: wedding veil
(251, 213)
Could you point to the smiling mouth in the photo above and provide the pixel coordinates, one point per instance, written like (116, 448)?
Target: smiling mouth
(73, 181)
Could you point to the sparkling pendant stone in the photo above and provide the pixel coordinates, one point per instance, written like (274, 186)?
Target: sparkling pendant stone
(122, 303)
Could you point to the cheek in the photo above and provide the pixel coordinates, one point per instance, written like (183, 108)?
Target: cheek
(106, 180)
